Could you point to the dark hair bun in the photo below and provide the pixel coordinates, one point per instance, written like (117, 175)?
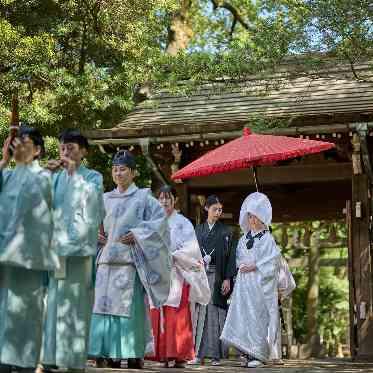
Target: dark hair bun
(212, 200)
(167, 189)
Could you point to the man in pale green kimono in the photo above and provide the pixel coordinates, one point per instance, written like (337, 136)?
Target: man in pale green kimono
(25, 250)
(78, 211)
(135, 260)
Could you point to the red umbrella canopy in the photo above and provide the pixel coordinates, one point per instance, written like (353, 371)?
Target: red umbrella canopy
(248, 151)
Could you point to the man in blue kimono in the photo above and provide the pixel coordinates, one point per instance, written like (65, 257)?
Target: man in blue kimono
(25, 250)
(78, 211)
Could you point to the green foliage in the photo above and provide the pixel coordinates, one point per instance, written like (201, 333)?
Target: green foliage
(333, 310)
(77, 63)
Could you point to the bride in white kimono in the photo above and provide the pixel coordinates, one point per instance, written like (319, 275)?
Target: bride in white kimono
(253, 317)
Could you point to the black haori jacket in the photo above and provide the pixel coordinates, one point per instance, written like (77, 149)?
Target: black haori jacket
(219, 238)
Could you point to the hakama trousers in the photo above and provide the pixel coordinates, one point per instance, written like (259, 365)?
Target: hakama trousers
(69, 309)
(174, 339)
(21, 316)
(209, 324)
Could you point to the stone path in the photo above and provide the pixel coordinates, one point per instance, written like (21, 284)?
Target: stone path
(233, 366)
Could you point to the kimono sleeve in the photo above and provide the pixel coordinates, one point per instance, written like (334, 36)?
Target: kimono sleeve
(154, 225)
(188, 231)
(4, 174)
(46, 187)
(78, 204)
(182, 233)
(267, 263)
(241, 252)
(95, 210)
(151, 252)
(21, 197)
(96, 180)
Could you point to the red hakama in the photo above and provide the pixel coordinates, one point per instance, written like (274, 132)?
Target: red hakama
(175, 341)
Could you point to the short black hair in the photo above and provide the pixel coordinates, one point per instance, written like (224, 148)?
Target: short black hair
(74, 136)
(36, 137)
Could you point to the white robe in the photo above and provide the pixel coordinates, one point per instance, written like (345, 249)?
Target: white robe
(135, 210)
(253, 318)
(187, 263)
(286, 285)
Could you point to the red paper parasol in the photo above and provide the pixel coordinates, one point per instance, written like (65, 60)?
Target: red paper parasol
(250, 150)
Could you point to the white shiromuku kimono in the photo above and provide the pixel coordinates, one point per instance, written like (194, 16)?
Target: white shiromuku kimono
(120, 326)
(78, 210)
(286, 285)
(253, 317)
(26, 228)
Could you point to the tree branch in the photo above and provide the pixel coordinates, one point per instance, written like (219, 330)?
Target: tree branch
(31, 91)
(237, 17)
(83, 50)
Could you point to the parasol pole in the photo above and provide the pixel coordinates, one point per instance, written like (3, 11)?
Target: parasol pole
(255, 178)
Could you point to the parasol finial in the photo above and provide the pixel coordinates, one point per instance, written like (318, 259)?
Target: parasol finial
(247, 131)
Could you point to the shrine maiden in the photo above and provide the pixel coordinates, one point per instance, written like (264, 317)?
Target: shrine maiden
(172, 323)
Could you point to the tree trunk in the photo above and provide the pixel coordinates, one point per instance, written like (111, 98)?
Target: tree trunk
(180, 30)
(313, 339)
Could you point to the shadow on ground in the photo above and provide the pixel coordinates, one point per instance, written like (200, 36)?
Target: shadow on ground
(233, 366)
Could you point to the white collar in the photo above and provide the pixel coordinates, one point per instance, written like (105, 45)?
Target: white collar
(211, 225)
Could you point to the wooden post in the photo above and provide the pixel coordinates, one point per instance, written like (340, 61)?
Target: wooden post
(361, 263)
(361, 223)
(313, 339)
(183, 198)
(351, 281)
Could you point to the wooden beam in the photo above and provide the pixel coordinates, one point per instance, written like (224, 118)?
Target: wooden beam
(276, 175)
(300, 202)
(232, 128)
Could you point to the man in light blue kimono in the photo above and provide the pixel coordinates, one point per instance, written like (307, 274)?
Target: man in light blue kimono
(25, 250)
(134, 261)
(78, 211)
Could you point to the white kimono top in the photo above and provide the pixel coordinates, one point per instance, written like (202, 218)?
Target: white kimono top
(187, 263)
(78, 211)
(26, 224)
(136, 211)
